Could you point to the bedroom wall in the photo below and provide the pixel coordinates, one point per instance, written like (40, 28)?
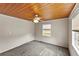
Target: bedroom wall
(72, 15)
(14, 32)
(71, 48)
(59, 32)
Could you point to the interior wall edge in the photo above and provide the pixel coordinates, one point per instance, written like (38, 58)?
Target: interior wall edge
(73, 13)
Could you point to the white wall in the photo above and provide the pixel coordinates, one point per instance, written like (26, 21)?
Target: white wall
(72, 15)
(75, 23)
(71, 48)
(14, 32)
(75, 26)
(59, 32)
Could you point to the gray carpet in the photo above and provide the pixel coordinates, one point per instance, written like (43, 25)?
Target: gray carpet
(36, 48)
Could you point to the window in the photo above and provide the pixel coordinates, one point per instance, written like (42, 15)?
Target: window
(46, 30)
(75, 40)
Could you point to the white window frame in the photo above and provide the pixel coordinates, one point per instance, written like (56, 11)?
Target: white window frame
(46, 30)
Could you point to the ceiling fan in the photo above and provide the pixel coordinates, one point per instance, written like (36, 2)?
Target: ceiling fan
(36, 19)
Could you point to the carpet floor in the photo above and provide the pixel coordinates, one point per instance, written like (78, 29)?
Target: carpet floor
(37, 48)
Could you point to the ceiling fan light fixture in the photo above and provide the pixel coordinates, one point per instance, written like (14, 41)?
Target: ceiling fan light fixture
(36, 19)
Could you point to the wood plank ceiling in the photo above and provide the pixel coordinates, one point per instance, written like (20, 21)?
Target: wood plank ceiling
(27, 11)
